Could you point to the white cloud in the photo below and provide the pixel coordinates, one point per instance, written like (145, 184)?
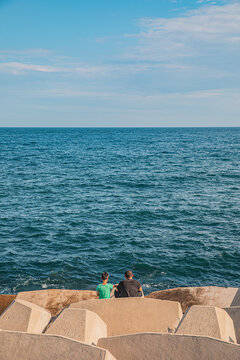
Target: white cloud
(164, 44)
(17, 68)
(160, 60)
(206, 29)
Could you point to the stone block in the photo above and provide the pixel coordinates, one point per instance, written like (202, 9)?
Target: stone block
(154, 346)
(23, 346)
(134, 315)
(5, 301)
(234, 313)
(209, 295)
(54, 300)
(24, 316)
(78, 324)
(207, 321)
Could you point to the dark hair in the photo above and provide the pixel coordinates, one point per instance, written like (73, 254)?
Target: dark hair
(105, 275)
(128, 274)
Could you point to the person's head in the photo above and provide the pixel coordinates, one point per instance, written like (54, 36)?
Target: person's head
(128, 274)
(105, 276)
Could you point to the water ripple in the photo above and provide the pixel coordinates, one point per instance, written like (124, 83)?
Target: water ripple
(76, 202)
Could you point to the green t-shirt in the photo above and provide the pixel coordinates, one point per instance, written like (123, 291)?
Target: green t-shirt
(104, 290)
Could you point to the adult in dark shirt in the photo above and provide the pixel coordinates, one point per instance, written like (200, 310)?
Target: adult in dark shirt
(129, 287)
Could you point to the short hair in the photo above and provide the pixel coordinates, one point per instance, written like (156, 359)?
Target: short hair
(105, 275)
(128, 274)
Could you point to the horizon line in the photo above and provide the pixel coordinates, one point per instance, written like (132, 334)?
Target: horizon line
(119, 127)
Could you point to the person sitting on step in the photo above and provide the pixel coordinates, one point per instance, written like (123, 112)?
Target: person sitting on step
(104, 289)
(129, 287)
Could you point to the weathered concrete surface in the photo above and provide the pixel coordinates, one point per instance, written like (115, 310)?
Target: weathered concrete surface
(169, 347)
(5, 301)
(207, 321)
(234, 313)
(78, 324)
(54, 300)
(134, 315)
(209, 295)
(24, 316)
(22, 346)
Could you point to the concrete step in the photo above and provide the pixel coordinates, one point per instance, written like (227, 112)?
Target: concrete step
(78, 324)
(23, 346)
(133, 315)
(154, 346)
(24, 316)
(207, 321)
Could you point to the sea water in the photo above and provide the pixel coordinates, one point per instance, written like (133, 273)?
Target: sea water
(75, 202)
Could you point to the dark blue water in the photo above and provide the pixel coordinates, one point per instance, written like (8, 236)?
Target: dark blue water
(76, 202)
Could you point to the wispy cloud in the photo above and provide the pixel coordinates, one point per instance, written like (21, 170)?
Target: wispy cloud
(26, 54)
(114, 70)
(168, 57)
(137, 96)
(208, 28)
(17, 68)
(162, 44)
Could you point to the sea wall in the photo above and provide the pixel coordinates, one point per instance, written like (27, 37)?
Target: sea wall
(209, 295)
(5, 301)
(54, 300)
(64, 324)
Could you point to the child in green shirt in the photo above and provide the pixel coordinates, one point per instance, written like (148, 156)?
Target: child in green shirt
(104, 289)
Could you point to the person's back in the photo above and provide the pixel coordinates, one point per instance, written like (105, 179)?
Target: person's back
(104, 289)
(128, 287)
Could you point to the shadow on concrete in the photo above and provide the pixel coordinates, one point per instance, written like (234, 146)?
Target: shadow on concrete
(236, 299)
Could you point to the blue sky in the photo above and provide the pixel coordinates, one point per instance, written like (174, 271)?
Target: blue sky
(119, 63)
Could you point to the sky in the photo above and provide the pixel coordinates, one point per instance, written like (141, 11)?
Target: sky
(128, 63)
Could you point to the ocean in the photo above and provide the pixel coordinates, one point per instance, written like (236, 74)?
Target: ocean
(75, 202)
